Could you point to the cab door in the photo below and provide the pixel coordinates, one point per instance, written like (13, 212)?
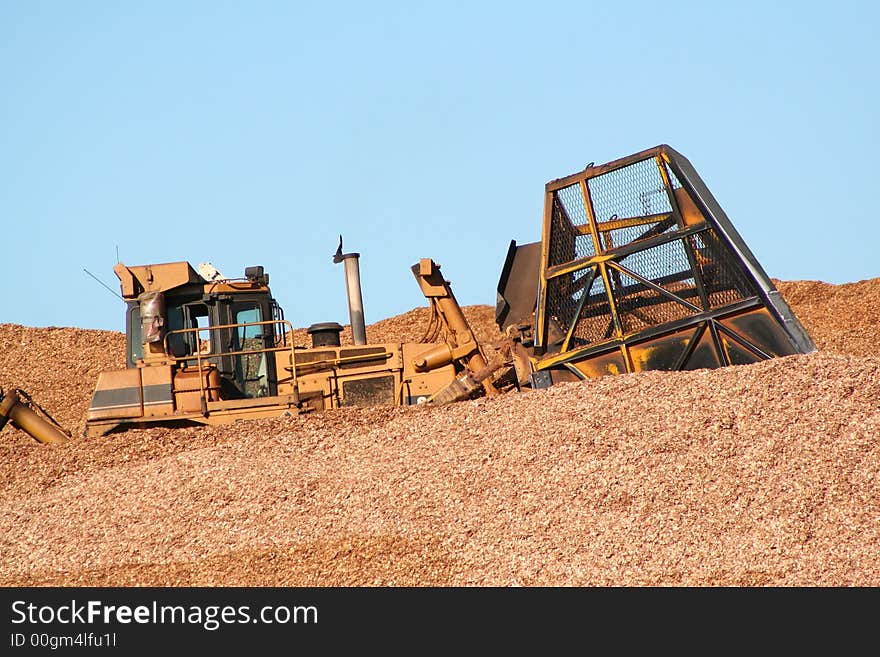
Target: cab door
(255, 366)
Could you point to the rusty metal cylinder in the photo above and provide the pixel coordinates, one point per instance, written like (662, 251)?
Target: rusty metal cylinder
(24, 418)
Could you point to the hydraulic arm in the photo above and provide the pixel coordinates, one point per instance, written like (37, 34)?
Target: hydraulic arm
(17, 405)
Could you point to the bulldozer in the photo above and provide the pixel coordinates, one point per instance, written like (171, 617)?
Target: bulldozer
(206, 349)
(637, 268)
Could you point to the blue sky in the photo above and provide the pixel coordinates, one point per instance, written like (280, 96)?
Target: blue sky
(245, 133)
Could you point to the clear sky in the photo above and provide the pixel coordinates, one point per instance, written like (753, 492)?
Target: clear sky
(245, 133)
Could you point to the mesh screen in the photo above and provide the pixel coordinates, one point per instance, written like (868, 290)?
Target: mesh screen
(635, 194)
(595, 322)
(561, 235)
(666, 265)
(724, 279)
(564, 294)
(566, 244)
(633, 191)
(572, 201)
(641, 306)
(618, 237)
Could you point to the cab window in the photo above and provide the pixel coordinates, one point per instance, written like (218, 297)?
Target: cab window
(250, 367)
(133, 335)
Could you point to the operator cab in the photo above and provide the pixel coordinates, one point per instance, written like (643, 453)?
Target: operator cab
(231, 324)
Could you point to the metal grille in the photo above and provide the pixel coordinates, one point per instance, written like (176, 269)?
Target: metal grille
(641, 306)
(666, 265)
(561, 235)
(637, 194)
(572, 201)
(561, 303)
(662, 248)
(566, 244)
(724, 280)
(621, 236)
(633, 191)
(595, 322)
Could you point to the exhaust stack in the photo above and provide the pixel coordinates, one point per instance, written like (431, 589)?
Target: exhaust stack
(353, 290)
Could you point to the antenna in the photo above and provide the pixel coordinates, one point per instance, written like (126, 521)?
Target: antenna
(112, 291)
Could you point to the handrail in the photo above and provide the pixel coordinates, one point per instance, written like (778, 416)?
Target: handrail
(198, 356)
(341, 360)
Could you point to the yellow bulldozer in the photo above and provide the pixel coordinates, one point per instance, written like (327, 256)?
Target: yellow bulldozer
(638, 268)
(206, 349)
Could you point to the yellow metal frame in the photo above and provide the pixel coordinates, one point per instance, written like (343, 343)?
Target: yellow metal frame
(605, 266)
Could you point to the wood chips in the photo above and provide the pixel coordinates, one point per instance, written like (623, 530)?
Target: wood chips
(764, 475)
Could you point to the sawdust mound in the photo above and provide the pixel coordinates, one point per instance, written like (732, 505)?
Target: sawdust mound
(58, 367)
(767, 474)
(840, 318)
(412, 326)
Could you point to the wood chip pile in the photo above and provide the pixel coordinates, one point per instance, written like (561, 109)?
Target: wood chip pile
(766, 475)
